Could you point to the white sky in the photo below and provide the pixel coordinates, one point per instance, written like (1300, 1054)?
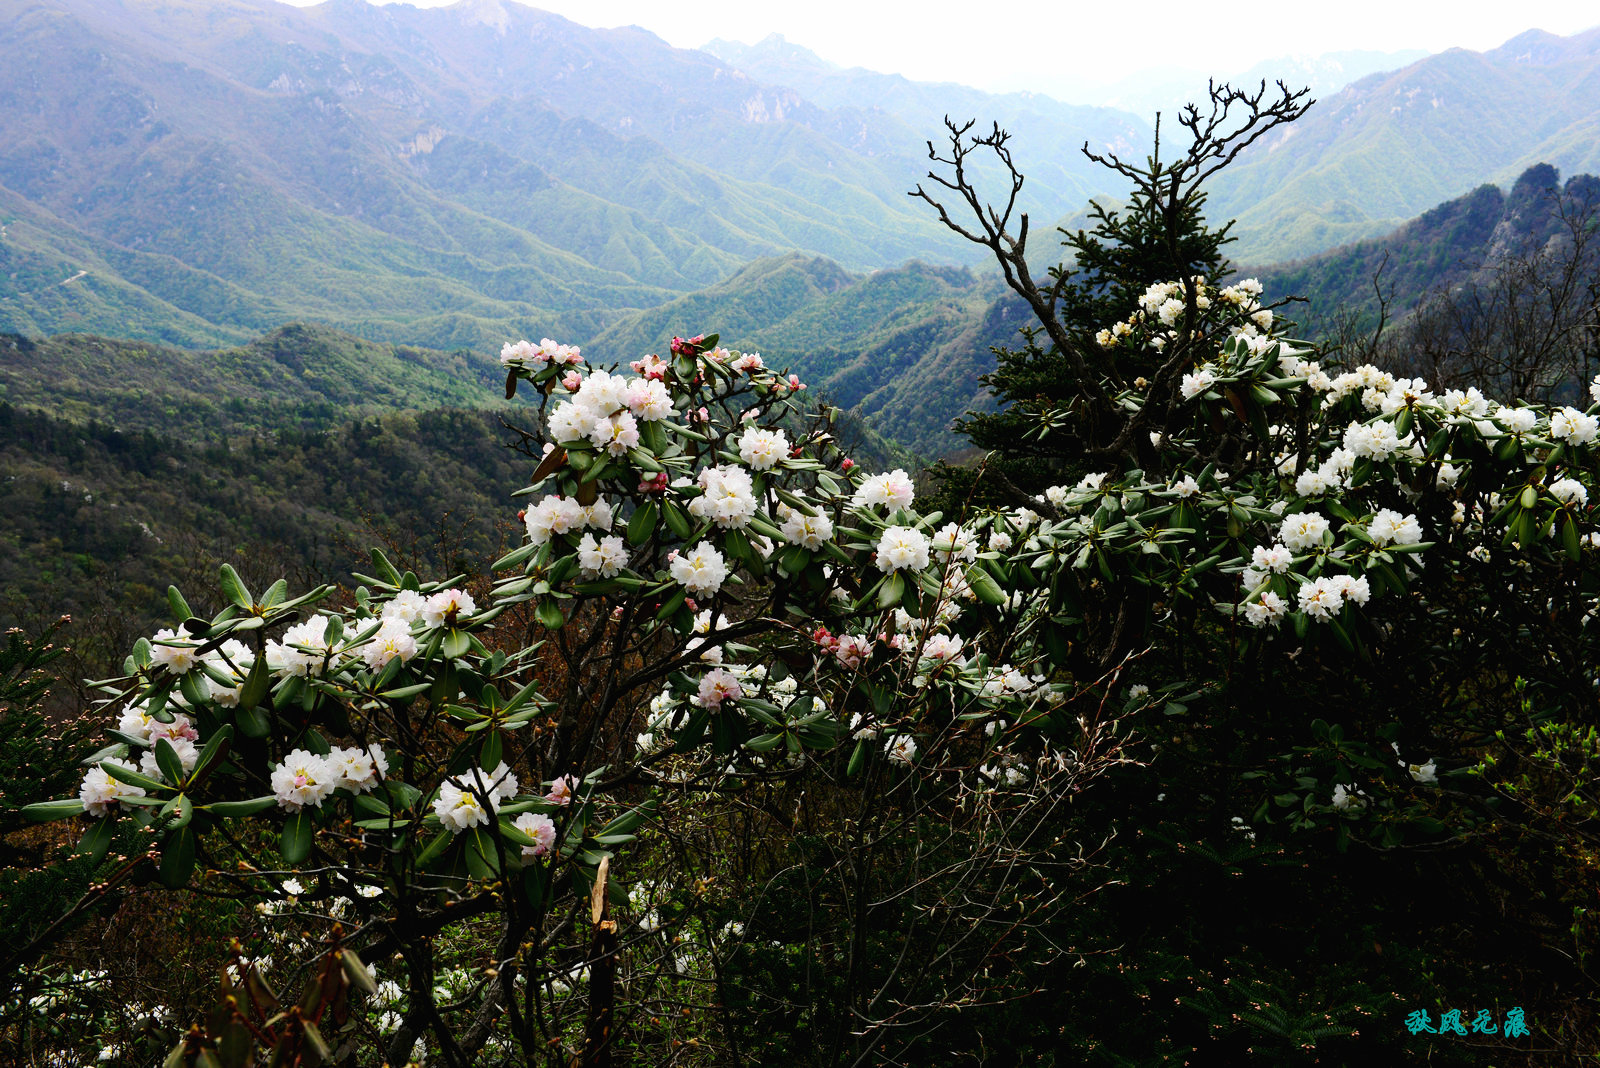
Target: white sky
(1048, 45)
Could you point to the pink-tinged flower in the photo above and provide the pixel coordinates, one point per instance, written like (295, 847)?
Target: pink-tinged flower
(303, 779)
(572, 381)
(447, 607)
(562, 790)
(853, 650)
(718, 686)
(656, 483)
(539, 827)
(99, 790)
(795, 383)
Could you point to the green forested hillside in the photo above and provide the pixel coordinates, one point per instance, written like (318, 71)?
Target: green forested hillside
(1393, 145)
(902, 349)
(128, 465)
(1436, 252)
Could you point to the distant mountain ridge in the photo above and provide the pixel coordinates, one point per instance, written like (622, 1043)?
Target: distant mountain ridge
(1392, 145)
(205, 170)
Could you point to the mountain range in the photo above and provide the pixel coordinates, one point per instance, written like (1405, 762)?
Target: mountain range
(200, 172)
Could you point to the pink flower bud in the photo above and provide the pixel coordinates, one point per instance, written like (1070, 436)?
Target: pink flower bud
(689, 603)
(846, 464)
(573, 381)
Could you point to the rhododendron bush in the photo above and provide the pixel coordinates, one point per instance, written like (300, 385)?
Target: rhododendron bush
(709, 600)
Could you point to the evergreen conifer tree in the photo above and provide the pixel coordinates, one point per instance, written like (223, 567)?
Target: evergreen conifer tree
(1055, 413)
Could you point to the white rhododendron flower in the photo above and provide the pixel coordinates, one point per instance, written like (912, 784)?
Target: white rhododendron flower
(728, 500)
(406, 606)
(1390, 527)
(99, 791)
(1426, 774)
(173, 651)
(304, 649)
(648, 400)
(1517, 420)
(1197, 382)
(1321, 599)
(603, 558)
(1268, 610)
(304, 778)
(358, 770)
(902, 547)
(1275, 558)
(1574, 427)
(562, 790)
(892, 491)
(718, 686)
(952, 540)
(1375, 440)
(808, 531)
(1302, 530)
(901, 749)
(459, 809)
(1348, 797)
(539, 827)
(763, 449)
(392, 640)
(1569, 491)
(1352, 588)
(448, 607)
(699, 570)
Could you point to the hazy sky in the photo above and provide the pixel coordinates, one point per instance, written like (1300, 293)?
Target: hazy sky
(1047, 45)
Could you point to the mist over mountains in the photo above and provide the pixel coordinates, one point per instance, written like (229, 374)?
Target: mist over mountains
(200, 173)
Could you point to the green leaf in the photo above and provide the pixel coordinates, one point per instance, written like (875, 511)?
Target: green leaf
(456, 643)
(177, 858)
(296, 841)
(45, 811)
(549, 614)
(132, 778)
(169, 763)
(988, 591)
(241, 808)
(253, 722)
(180, 809)
(676, 520)
(357, 972)
(385, 569)
(643, 523)
(275, 595)
(891, 590)
(180, 607)
(256, 684)
(490, 751)
(96, 841)
(234, 589)
(857, 758)
(192, 685)
(437, 845)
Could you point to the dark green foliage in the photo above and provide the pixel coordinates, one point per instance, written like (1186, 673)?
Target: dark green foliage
(38, 751)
